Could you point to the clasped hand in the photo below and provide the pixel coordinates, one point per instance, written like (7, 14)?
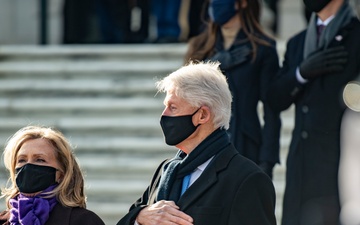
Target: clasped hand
(324, 62)
(163, 212)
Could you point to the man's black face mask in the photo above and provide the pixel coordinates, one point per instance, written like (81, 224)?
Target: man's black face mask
(316, 5)
(177, 128)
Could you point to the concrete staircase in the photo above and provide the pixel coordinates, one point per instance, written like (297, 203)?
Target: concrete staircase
(103, 99)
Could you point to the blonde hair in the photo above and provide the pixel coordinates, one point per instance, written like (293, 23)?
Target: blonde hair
(202, 83)
(70, 191)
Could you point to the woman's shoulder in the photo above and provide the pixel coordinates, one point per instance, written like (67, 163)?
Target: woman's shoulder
(85, 216)
(75, 216)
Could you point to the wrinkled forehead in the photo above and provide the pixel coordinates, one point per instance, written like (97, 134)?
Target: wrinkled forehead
(173, 98)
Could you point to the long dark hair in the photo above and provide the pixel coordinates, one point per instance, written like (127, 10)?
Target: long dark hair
(201, 46)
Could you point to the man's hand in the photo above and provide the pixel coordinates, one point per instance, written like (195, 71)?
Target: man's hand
(328, 61)
(163, 212)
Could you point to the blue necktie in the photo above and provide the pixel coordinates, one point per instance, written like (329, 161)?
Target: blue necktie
(185, 184)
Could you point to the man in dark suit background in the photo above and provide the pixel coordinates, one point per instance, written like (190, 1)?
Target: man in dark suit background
(318, 64)
(208, 182)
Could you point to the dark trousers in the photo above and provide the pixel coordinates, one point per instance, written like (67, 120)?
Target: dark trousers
(166, 13)
(77, 15)
(104, 21)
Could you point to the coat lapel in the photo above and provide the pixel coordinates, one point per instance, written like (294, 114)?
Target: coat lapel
(208, 178)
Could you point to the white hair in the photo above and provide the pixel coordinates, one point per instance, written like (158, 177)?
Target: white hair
(201, 84)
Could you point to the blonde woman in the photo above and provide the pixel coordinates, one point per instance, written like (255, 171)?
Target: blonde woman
(46, 185)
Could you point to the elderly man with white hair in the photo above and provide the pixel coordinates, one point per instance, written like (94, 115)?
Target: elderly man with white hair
(207, 182)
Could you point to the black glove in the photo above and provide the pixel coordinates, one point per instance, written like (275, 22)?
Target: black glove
(267, 167)
(231, 58)
(328, 61)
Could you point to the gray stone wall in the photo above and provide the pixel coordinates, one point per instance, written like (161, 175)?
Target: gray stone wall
(20, 21)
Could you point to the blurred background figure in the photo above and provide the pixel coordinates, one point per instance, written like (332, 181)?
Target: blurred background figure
(131, 21)
(249, 60)
(166, 15)
(176, 20)
(273, 5)
(105, 21)
(349, 169)
(123, 21)
(351, 95)
(318, 63)
(356, 5)
(196, 17)
(77, 21)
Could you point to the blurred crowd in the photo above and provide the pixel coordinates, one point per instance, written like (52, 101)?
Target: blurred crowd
(144, 21)
(131, 21)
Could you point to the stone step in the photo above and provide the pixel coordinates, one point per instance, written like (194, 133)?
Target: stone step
(137, 52)
(77, 87)
(55, 107)
(116, 69)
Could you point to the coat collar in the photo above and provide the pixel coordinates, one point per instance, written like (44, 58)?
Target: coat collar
(207, 178)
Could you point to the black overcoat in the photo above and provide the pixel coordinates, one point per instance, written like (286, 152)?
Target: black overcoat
(255, 135)
(232, 190)
(311, 193)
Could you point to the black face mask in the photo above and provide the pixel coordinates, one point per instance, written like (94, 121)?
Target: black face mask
(316, 5)
(177, 128)
(32, 178)
(221, 11)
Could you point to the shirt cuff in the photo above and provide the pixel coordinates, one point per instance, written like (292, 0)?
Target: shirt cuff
(299, 77)
(136, 223)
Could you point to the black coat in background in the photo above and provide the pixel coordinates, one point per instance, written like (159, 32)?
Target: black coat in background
(248, 83)
(311, 193)
(232, 190)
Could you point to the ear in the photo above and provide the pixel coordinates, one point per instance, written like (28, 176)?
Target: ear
(59, 177)
(204, 115)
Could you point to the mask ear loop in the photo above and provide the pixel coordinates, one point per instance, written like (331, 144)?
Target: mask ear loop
(194, 114)
(196, 111)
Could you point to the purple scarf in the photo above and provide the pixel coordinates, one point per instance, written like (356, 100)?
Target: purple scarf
(31, 210)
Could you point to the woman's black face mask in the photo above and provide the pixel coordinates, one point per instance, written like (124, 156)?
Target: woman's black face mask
(32, 178)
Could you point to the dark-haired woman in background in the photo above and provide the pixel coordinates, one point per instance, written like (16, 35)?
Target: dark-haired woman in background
(248, 56)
